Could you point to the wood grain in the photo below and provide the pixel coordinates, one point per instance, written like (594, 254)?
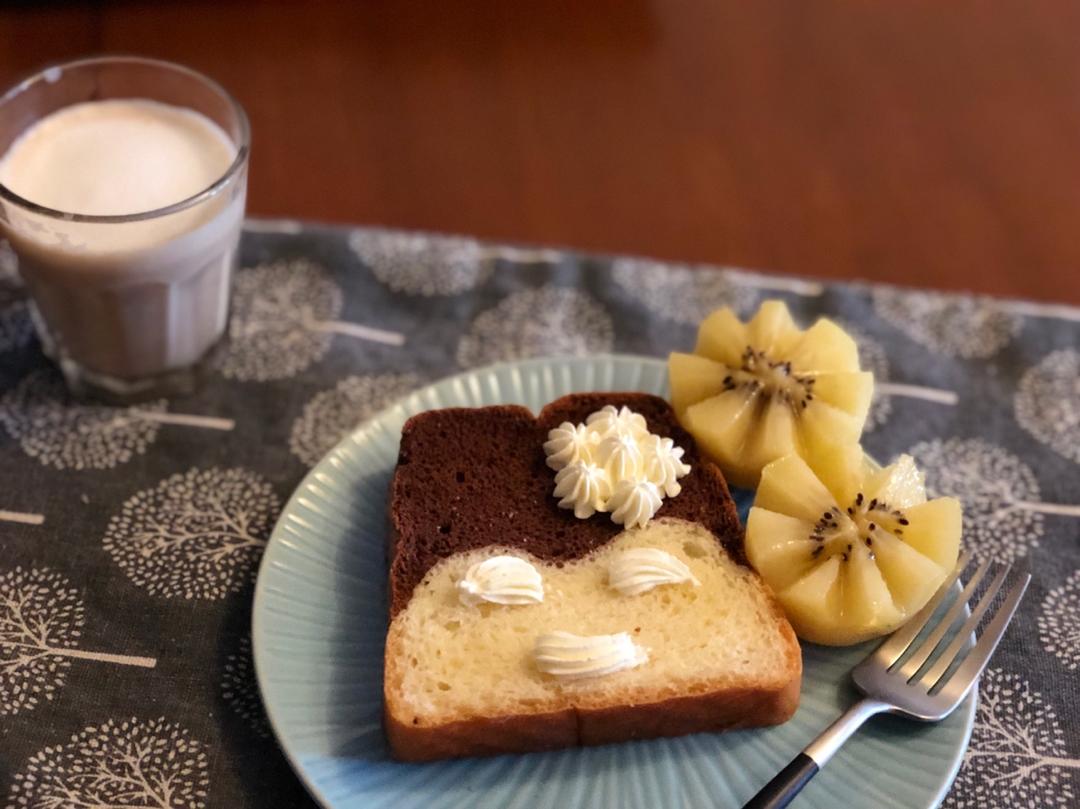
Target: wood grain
(926, 143)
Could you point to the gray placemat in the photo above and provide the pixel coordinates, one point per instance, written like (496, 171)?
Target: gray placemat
(125, 659)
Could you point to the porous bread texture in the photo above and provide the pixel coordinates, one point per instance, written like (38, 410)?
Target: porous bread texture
(462, 680)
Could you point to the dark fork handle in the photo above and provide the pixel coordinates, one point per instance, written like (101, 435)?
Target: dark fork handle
(785, 785)
(789, 782)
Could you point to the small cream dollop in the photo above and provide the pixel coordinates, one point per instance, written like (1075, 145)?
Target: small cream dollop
(584, 487)
(664, 464)
(610, 421)
(575, 657)
(634, 502)
(638, 570)
(501, 580)
(566, 444)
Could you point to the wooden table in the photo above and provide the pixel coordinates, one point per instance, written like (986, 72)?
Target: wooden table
(923, 143)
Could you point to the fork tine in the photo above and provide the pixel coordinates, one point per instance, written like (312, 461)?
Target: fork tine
(959, 641)
(897, 643)
(915, 662)
(968, 672)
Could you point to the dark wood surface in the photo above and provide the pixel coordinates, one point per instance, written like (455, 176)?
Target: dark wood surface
(924, 143)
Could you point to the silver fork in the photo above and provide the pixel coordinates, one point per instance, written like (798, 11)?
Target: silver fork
(899, 678)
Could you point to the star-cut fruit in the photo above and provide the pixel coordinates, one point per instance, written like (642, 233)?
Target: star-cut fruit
(757, 391)
(851, 550)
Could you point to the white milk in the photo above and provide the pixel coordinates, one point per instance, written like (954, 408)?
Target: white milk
(136, 299)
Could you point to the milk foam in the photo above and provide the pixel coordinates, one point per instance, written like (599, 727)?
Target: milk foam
(116, 157)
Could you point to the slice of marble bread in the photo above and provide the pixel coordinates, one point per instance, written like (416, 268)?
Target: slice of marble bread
(460, 680)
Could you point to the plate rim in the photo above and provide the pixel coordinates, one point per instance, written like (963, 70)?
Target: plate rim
(351, 437)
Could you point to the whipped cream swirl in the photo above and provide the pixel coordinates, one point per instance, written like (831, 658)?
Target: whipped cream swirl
(567, 444)
(634, 502)
(584, 487)
(638, 570)
(620, 456)
(664, 464)
(609, 421)
(575, 657)
(501, 580)
(612, 463)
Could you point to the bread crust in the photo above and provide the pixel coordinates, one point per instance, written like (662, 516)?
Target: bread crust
(722, 709)
(486, 736)
(712, 709)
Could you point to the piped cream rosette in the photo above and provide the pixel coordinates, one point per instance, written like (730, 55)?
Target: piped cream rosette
(613, 464)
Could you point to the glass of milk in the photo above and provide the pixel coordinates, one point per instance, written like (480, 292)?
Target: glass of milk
(122, 184)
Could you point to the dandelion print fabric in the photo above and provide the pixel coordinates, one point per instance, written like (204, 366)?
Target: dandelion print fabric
(130, 538)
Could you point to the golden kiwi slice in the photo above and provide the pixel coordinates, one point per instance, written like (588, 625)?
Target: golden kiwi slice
(851, 550)
(757, 391)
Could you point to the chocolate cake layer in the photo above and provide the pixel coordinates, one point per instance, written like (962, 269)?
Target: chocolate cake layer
(474, 477)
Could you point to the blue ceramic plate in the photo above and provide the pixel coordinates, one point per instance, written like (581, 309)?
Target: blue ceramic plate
(320, 620)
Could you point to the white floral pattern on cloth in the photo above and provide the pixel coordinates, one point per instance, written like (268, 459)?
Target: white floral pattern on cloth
(22, 517)
(154, 764)
(240, 691)
(284, 318)
(969, 327)
(40, 414)
(1003, 512)
(196, 535)
(999, 493)
(1047, 402)
(1059, 622)
(59, 432)
(422, 264)
(41, 620)
(549, 320)
(271, 306)
(873, 358)
(1017, 756)
(678, 292)
(331, 414)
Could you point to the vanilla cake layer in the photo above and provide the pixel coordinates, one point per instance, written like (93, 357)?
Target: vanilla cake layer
(448, 662)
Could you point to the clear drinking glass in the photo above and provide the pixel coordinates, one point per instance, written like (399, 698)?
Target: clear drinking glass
(130, 306)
